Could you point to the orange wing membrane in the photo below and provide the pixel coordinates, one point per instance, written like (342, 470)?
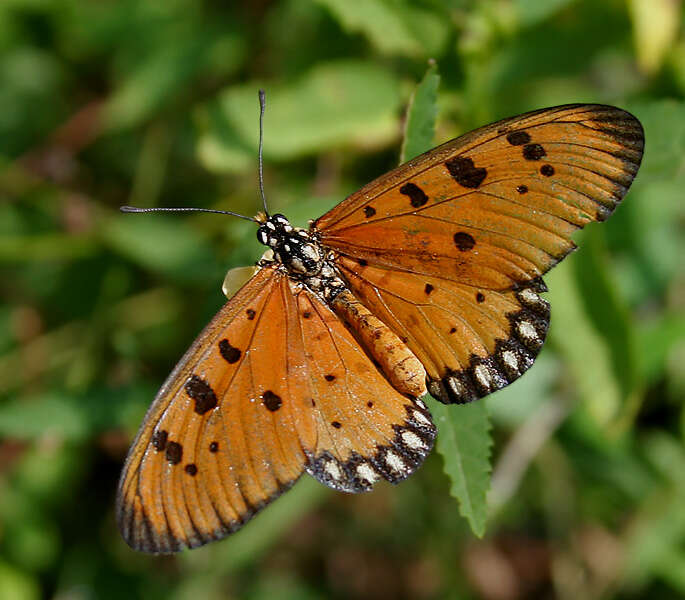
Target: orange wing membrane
(275, 385)
(449, 249)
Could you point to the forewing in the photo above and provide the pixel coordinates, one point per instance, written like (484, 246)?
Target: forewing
(495, 207)
(224, 436)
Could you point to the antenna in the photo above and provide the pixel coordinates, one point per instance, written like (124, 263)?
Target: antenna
(262, 107)
(134, 209)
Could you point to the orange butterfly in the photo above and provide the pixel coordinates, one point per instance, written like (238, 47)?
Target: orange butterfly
(428, 277)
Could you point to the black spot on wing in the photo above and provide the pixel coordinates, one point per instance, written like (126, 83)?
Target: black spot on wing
(417, 197)
(369, 211)
(231, 354)
(465, 173)
(533, 152)
(200, 391)
(159, 440)
(547, 170)
(174, 453)
(518, 138)
(271, 401)
(464, 241)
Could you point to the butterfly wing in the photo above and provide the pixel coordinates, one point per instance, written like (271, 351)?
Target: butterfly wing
(471, 342)
(273, 386)
(496, 206)
(450, 247)
(367, 430)
(208, 455)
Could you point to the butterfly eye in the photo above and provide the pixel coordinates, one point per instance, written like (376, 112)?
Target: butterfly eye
(267, 235)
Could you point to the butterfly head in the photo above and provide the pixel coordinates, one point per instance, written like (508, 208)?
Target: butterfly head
(293, 247)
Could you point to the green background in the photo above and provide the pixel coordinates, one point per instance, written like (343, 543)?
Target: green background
(152, 102)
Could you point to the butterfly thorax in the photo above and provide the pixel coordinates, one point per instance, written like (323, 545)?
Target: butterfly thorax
(302, 255)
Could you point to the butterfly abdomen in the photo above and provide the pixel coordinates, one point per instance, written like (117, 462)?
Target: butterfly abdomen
(404, 371)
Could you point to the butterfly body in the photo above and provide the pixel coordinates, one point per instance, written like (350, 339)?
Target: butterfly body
(428, 278)
(300, 254)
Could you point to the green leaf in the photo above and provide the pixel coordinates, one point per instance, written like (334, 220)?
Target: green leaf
(419, 128)
(464, 442)
(392, 27)
(341, 103)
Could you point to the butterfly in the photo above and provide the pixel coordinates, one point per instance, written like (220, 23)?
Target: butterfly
(428, 279)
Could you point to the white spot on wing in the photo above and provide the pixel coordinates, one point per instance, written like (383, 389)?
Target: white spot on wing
(510, 359)
(413, 441)
(421, 418)
(333, 469)
(529, 296)
(483, 376)
(455, 386)
(394, 462)
(527, 331)
(366, 472)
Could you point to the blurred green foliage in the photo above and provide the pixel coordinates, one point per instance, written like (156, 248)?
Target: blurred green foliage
(154, 103)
